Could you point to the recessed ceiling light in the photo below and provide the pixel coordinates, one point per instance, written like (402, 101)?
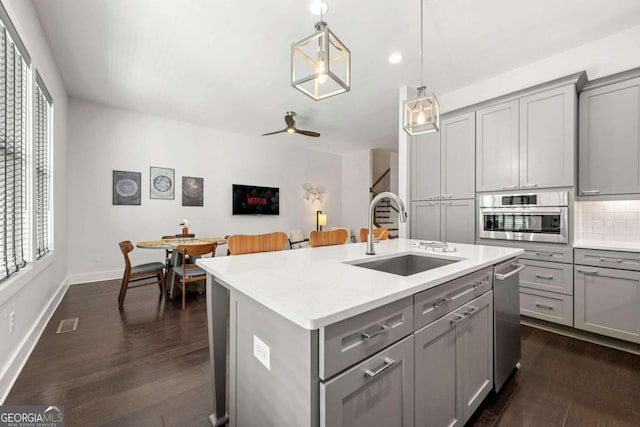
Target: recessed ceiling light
(314, 7)
(395, 58)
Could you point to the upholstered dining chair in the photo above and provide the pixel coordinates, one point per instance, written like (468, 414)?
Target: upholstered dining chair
(139, 275)
(328, 238)
(239, 244)
(189, 272)
(380, 233)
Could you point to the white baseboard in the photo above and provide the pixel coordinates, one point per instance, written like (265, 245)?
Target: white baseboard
(15, 366)
(99, 276)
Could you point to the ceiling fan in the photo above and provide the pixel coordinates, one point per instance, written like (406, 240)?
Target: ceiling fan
(291, 127)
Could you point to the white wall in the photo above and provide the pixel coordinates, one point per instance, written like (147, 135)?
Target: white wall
(356, 180)
(102, 139)
(30, 293)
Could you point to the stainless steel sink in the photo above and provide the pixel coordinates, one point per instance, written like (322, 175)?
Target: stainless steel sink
(406, 265)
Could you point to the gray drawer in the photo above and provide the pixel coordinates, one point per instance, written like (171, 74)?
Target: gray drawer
(608, 259)
(549, 306)
(347, 342)
(436, 302)
(546, 253)
(547, 276)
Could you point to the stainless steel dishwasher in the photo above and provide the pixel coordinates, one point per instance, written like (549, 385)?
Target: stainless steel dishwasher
(506, 320)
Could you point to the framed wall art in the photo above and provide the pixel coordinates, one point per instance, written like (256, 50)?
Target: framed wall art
(162, 183)
(126, 188)
(192, 191)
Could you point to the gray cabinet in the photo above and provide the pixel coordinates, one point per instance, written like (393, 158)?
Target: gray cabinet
(609, 146)
(457, 157)
(607, 302)
(450, 221)
(376, 392)
(497, 147)
(528, 142)
(548, 138)
(454, 364)
(425, 167)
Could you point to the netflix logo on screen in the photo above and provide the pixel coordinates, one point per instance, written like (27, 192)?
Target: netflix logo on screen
(254, 200)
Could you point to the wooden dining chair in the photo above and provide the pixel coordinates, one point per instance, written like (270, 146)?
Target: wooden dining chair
(328, 238)
(189, 272)
(239, 244)
(145, 274)
(380, 233)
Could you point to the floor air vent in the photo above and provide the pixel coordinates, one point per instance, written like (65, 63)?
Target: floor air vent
(67, 325)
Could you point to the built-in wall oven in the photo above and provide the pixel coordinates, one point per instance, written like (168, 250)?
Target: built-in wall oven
(534, 217)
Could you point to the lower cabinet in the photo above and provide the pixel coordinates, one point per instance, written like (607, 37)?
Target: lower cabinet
(454, 364)
(607, 302)
(449, 221)
(376, 392)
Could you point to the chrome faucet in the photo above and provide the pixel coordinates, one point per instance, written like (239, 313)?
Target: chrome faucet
(402, 216)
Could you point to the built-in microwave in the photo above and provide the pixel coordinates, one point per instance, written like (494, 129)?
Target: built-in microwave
(535, 217)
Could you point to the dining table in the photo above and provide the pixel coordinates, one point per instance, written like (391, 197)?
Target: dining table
(171, 244)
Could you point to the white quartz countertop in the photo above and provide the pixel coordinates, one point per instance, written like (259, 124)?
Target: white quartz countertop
(608, 246)
(315, 287)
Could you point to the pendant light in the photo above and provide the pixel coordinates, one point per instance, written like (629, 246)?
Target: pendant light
(421, 115)
(321, 64)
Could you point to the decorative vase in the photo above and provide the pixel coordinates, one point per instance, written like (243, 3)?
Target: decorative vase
(185, 230)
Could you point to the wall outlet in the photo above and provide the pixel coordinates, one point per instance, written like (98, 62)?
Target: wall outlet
(12, 322)
(95, 258)
(262, 352)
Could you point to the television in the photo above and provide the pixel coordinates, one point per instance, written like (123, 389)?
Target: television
(254, 200)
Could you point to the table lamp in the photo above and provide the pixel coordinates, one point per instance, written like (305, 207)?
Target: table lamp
(321, 219)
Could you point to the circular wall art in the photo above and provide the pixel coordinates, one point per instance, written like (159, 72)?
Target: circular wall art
(126, 188)
(162, 182)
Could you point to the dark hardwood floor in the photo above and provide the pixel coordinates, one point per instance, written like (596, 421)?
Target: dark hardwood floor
(149, 366)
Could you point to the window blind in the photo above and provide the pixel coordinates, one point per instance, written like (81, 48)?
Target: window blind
(42, 122)
(13, 157)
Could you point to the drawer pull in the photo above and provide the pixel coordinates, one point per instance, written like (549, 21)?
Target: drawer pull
(388, 362)
(542, 276)
(383, 328)
(585, 271)
(441, 302)
(477, 284)
(509, 187)
(611, 259)
(545, 306)
(528, 185)
(457, 319)
(544, 253)
(590, 192)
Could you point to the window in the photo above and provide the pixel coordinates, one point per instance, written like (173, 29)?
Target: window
(25, 156)
(42, 174)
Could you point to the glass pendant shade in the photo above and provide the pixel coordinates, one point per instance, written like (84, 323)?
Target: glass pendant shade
(321, 64)
(421, 115)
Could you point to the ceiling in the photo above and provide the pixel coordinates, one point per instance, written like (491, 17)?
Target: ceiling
(225, 64)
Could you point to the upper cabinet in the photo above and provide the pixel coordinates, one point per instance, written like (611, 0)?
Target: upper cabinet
(528, 142)
(609, 148)
(442, 163)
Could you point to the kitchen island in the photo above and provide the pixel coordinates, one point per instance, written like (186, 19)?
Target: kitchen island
(315, 339)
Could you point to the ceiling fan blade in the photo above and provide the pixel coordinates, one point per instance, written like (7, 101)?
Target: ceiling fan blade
(273, 133)
(307, 133)
(289, 120)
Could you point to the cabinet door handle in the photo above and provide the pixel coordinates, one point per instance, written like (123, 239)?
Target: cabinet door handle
(388, 362)
(383, 328)
(457, 319)
(585, 271)
(542, 276)
(528, 185)
(447, 197)
(545, 306)
(441, 302)
(509, 187)
(470, 310)
(611, 259)
(590, 192)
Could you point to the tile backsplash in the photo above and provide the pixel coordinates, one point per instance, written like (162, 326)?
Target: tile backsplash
(615, 220)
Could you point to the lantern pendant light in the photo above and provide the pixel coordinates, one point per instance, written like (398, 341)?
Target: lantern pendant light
(321, 64)
(422, 114)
